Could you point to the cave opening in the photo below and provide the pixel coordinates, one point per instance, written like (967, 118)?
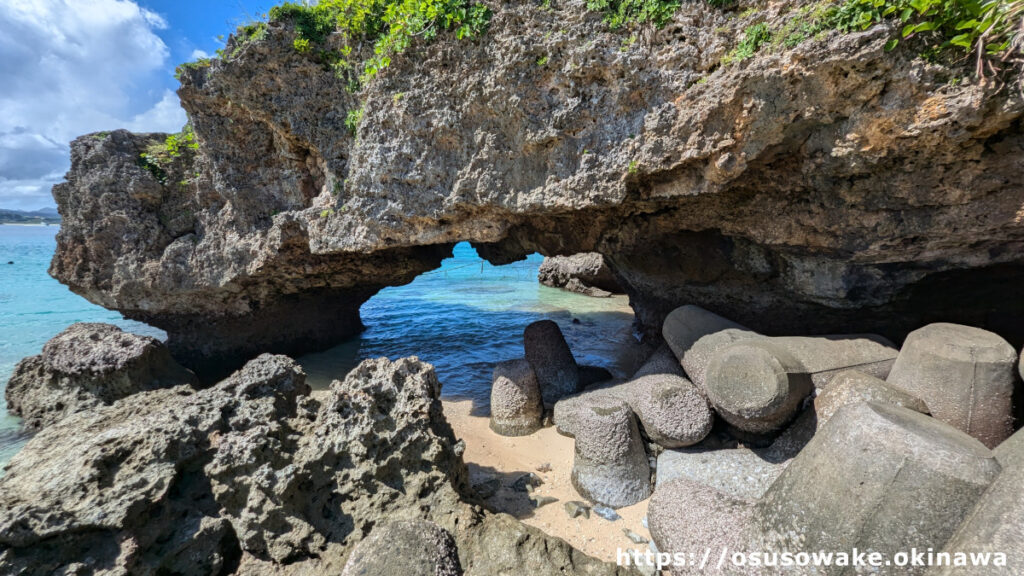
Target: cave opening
(469, 314)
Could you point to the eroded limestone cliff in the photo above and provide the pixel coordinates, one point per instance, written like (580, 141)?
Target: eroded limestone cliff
(829, 187)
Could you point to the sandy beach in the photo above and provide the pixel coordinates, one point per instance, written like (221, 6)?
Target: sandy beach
(489, 455)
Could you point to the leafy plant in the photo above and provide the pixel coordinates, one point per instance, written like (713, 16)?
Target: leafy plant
(754, 36)
(619, 13)
(147, 163)
(176, 143)
(542, 60)
(352, 121)
(159, 155)
(993, 29)
(390, 25)
(247, 34)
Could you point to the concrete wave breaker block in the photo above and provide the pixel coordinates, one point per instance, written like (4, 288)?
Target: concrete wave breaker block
(695, 334)
(964, 374)
(758, 385)
(671, 410)
(610, 466)
(552, 361)
(877, 477)
(847, 387)
(516, 407)
(996, 525)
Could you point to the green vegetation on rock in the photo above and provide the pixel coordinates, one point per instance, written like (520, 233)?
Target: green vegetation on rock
(619, 13)
(159, 155)
(754, 37)
(992, 27)
(352, 120)
(390, 25)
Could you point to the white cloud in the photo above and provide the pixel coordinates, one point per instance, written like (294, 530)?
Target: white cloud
(198, 54)
(68, 67)
(165, 116)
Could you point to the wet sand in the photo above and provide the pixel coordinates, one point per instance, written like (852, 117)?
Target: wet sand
(489, 455)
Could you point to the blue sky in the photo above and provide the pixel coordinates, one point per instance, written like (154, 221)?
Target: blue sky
(69, 67)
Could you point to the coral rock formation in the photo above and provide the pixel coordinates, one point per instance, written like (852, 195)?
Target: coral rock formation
(832, 186)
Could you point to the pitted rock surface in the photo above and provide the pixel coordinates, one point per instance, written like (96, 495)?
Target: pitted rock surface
(587, 274)
(253, 476)
(833, 186)
(86, 366)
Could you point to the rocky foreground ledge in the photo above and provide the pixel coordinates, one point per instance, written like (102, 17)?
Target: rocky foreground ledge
(256, 476)
(832, 186)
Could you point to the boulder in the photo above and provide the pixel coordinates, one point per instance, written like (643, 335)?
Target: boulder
(254, 476)
(516, 407)
(964, 374)
(407, 548)
(876, 477)
(662, 361)
(739, 473)
(610, 465)
(86, 366)
(121, 488)
(759, 385)
(552, 361)
(695, 335)
(377, 448)
(585, 273)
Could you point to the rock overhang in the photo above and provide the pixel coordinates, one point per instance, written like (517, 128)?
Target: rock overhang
(829, 187)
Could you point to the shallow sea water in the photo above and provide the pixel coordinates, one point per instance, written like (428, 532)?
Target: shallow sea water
(463, 318)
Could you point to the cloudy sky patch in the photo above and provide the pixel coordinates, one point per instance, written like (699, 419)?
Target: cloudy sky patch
(69, 67)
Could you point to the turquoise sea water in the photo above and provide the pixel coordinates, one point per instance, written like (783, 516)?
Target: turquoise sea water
(462, 318)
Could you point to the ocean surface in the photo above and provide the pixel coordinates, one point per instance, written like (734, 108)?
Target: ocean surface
(463, 318)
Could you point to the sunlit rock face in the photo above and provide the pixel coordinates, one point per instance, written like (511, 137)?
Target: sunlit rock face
(831, 187)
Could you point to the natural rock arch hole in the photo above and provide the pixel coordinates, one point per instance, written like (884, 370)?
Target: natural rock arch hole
(469, 314)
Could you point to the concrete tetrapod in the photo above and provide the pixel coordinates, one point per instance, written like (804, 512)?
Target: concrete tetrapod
(847, 387)
(878, 478)
(610, 466)
(694, 335)
(758, 385)
(552, 361)
(1011, 452)
(995, 526)
(516, 408)
(964, 374)
(662, 361)
(671, 410)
